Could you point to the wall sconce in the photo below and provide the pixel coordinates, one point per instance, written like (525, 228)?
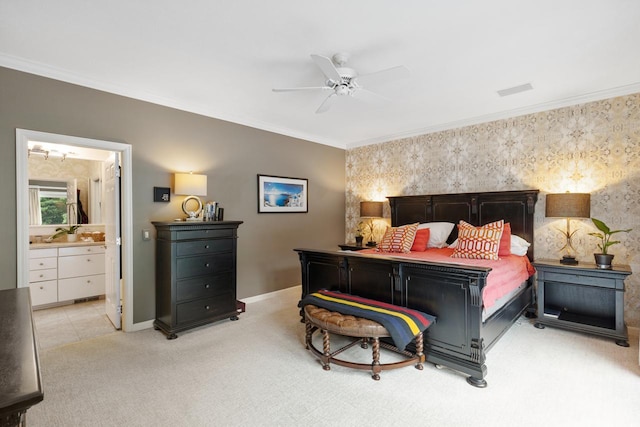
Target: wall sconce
(191, 185)
(568, 205)
(371, 210)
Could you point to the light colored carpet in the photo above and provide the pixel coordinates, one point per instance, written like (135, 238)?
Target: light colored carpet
(256, 371)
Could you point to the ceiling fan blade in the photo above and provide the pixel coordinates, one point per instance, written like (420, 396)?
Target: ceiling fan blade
(327, 103)
(382, 76)
(327, 67)
(291, 89)
(370, 97)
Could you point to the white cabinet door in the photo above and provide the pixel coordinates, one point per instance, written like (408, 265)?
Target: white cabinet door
(80, 287)
(44, 292)
(84, 265)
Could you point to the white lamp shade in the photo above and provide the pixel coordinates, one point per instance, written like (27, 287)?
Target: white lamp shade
(190, 184)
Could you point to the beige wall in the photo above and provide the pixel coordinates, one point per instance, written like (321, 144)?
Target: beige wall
(164, 141)
(592, 148)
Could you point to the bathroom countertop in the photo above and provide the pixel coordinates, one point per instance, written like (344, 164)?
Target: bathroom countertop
(63, 244)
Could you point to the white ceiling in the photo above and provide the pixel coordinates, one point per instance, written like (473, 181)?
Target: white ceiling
(221, 58)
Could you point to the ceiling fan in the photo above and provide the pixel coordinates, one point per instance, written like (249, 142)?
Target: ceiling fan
(344, 81)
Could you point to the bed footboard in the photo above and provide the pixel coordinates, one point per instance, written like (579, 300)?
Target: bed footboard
(459, 339)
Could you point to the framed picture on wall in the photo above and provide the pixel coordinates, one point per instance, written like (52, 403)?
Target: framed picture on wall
(279, 194)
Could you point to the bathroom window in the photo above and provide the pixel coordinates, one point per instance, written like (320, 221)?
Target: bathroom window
(47, 202)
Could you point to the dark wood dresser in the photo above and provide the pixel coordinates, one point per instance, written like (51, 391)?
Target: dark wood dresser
(20, 380)
(195, 274)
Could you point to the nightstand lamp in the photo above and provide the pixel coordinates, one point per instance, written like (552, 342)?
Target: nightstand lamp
(371, 210)
(568, 205)
(191, 185)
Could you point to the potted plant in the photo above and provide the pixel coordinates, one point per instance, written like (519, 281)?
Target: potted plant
(359, 235)
(604, 258)
(69, 231)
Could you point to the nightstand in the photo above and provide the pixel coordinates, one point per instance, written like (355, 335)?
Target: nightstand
(354, 247)
(582, 298)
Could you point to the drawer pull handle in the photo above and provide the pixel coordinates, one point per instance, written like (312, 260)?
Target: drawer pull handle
(89, 281)
(206, 307)
(88, 259)
(42, 275)
(207, 265)
(42, 287)
(42, 263)
(206, 246)
(207, 286)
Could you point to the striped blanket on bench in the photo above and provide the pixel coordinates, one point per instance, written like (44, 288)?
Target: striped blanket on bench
(402, 323)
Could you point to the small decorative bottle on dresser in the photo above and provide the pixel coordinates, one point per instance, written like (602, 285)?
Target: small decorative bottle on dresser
(195, 274)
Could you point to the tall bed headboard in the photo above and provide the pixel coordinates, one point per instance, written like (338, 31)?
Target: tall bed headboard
(515, 207)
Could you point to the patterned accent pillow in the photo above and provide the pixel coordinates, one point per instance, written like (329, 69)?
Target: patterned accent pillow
(398, 239)
(478, 242)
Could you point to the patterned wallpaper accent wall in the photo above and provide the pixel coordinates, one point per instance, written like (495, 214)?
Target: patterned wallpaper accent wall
(592, 148)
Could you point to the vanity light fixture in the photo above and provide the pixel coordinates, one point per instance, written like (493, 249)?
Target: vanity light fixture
(568, 205)
(192, 185)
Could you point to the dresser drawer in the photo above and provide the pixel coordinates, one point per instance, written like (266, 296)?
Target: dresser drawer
(205, 234)
(44, 292)
(195, 247)
(81, 250)
(43, 263)
(80, 287)
(42, 275)
(84, 265)
(201, 287)
(205, 308)
(203, 265)
(43, 253)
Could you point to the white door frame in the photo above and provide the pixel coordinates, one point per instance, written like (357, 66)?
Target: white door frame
(23, 137)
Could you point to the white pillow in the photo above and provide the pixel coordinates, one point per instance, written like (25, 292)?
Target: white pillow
(519, 246)
(438, 233)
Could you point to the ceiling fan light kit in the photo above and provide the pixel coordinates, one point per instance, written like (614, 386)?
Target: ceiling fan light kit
(344, 81)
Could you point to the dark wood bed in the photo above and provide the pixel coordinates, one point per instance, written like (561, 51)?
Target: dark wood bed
(460, 339)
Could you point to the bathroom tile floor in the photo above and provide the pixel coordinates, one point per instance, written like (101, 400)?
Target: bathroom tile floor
(71, 323)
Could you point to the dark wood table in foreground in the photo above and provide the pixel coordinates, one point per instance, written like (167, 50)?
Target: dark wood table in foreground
(20, 380)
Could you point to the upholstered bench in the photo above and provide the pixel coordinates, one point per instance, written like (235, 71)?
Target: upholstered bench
(334, 321)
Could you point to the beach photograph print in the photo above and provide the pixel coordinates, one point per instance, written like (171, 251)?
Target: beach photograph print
(281, 194)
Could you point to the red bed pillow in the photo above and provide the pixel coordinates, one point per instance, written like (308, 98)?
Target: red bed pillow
(505, 240)
(421, 240)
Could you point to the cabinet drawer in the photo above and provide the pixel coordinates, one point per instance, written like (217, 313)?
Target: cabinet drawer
(80, 287)
(80, 250)
(42, 275)
(84, 265)
(44, 292)
(203, 265)
(204, 286)
(204, 234)
(204, 308)
(42, 263)
(43, 253)
(601, 282)
(196, 247)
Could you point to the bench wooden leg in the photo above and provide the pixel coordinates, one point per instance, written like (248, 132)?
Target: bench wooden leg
(326, 348)
(375, 366)
(419, 348)
(309, 333)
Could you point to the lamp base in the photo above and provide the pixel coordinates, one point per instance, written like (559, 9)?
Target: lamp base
(568, 260)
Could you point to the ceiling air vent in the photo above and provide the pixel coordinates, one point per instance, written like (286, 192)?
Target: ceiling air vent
(515, 89)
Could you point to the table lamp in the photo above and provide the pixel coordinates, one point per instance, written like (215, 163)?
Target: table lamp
(371, 210)
(568, 205)
(191, 185)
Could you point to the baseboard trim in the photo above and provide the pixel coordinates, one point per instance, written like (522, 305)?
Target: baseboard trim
(268, 295)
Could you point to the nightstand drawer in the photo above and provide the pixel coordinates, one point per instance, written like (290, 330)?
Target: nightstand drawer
(208, 286)
(205, 308)
(205, 234)
(580, 279)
